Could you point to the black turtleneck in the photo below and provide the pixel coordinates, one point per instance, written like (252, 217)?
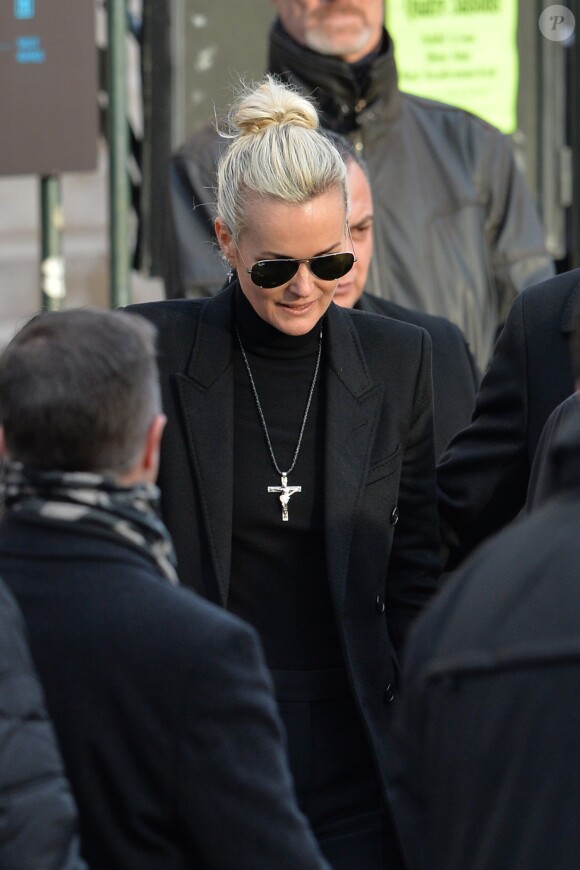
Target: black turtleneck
(279, 581)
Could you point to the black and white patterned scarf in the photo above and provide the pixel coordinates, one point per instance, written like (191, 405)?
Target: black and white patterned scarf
(91, 502)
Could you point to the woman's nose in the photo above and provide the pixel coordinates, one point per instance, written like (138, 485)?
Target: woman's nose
(303, 280)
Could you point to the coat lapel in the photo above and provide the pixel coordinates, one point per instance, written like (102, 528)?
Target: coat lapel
(353, 405)
(206, 396)
(569, 311)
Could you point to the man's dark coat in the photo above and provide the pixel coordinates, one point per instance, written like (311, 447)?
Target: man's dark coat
(483, 476)
(455, 374)
(544, 473)
(38, 817)
(381, 532)
(488, 736)
(162, 707)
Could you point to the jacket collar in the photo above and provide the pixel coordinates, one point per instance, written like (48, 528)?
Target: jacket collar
(212, 351)
(565, 450)
(343, 103)
(568, 314)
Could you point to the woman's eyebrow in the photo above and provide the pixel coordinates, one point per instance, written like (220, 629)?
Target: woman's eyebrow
(274, 255)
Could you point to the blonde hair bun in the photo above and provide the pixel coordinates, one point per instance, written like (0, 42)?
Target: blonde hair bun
(271, 104)
(276, 149)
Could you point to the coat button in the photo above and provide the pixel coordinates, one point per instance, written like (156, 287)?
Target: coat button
(380, 604)
(394, 518)
(389, 694)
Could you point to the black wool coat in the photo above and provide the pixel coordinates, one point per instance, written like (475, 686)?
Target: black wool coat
(488, 733)
(162, 706)
(483, 475)
(455, 373)
(545, 472)
(381, 533)
(39, 825)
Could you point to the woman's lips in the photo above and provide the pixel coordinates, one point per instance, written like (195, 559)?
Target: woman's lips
(296, 310)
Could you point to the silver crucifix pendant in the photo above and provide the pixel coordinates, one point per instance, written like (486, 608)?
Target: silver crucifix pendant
(285, 493)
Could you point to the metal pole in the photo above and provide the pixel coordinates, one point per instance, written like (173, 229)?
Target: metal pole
(52, 263)
(118, 136)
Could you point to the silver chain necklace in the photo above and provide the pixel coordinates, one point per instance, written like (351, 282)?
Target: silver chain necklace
(284, 490)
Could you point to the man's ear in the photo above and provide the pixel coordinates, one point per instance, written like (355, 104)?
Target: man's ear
(150, 462)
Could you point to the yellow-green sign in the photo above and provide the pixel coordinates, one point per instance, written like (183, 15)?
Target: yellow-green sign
(462, 52)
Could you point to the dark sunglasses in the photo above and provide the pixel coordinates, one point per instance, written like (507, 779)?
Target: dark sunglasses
(327, 267)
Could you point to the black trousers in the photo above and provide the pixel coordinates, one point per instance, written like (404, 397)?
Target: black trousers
(335, 776)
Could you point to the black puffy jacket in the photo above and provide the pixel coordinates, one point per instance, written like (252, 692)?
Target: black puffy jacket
(38, 820)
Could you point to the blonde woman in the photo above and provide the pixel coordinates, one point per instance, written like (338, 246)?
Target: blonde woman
(297, 470)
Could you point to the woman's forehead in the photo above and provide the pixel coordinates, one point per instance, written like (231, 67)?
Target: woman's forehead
(282, 227)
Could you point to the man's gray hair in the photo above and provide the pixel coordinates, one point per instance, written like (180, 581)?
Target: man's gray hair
(79, 390)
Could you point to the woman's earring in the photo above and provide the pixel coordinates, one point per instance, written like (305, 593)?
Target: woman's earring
(230, 273)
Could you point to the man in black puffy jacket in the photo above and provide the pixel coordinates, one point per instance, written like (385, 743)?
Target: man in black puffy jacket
(38, 816)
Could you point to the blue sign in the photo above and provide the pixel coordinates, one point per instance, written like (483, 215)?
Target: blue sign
(41, 100)
(29, 50)
(24, 8)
